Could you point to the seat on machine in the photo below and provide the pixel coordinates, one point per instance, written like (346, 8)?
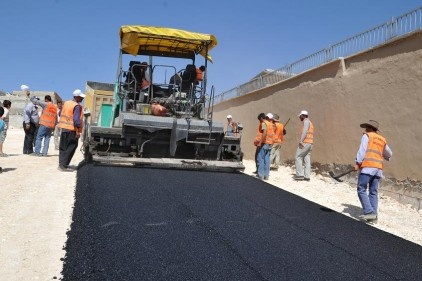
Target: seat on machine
(188, 78)
(134, 72)
(138, 71)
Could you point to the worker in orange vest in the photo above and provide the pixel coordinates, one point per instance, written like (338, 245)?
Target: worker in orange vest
(200, 73)
(369, 161)
(48, 120)
(231, 127)
(303, 152)
(278, 139)
(263, 141)
(71, 118)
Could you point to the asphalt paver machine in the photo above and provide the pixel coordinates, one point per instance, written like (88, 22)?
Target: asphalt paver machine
(162, 113)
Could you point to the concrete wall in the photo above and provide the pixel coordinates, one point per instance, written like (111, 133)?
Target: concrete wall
(384, 84)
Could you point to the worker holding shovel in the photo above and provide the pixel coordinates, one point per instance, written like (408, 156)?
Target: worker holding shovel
(369, 161)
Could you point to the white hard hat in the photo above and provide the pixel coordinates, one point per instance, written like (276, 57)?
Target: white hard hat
(78, 93)
(270, 115)
(229, 116)
(304, 112)
(24, 88)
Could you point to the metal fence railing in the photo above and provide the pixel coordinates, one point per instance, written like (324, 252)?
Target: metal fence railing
(402, 25)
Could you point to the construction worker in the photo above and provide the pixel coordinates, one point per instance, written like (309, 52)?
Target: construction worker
(369, 162)
(71, 118)
(48, 120)
(276, 147)
(231, 126)
(303, 152)
(263, 142)
(200, 73)
(257, 140)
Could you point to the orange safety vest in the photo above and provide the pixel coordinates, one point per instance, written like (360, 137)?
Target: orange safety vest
(309, 134)
(66, 116)
(199, 75)
(374, 151)
(49, 116)
(270, 133)
(278, 134)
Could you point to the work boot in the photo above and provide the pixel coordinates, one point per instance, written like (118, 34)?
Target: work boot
(369, 217)
(375, 221)
(65, 169)
(298, 178)
(257, 176)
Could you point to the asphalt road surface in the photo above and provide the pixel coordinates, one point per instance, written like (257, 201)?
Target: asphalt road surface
(151, 224)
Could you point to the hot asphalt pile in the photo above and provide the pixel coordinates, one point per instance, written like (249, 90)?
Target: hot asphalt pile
(151, 224)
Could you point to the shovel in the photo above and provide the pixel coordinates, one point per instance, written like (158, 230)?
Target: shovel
(337, 178)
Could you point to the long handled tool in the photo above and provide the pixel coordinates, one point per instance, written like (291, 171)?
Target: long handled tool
(337, 178)
(287, 122)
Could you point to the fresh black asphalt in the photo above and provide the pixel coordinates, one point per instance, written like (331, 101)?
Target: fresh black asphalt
(152, 224)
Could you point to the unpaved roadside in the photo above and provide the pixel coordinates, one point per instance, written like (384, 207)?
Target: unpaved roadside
(36, 202)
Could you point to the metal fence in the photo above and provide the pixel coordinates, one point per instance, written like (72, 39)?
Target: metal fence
(402, 25)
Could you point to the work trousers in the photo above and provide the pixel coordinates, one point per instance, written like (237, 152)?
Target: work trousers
(368, 192)
(303, 158)
(43, 133)
(264, 153)
(275, 155)
(67, 147)
(28, 142)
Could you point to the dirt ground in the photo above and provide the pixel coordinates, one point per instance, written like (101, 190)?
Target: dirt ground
(36, 202)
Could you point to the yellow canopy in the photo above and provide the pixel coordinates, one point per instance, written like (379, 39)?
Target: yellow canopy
(162, 41)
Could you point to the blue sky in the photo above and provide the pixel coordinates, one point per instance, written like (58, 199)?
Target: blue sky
(58, 45)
